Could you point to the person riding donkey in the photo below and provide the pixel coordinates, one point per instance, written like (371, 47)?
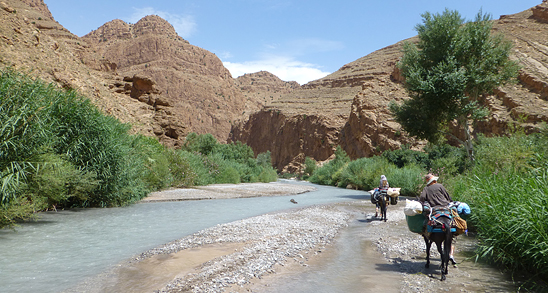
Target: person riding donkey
(383, 187)
(436, 196)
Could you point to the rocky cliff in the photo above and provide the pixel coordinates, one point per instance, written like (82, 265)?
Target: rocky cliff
(147, 75)
(188, 87)
(142, 73)
(350, 107)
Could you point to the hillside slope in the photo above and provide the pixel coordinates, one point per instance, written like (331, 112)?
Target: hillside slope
(142, 73)
(350, 106)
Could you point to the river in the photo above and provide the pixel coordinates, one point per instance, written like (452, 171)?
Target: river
(62, 248)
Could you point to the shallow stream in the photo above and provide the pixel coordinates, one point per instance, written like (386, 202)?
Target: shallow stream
(63, 248)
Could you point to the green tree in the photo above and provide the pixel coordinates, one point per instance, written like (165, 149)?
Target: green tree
(447, 72)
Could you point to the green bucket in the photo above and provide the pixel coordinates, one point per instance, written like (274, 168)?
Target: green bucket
(415, 223)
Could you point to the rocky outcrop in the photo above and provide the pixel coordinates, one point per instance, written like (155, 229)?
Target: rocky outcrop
(298, 141)
(194, 91)
(352, 103)
(540, 12)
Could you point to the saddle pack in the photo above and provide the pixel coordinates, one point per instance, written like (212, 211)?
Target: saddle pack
(434, 225)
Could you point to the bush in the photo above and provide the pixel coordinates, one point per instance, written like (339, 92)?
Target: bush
(309, 167)
(405, 156)
(237, 151)
(203, 143)
(267, 175)
(56, 180)
(364, 173)
(329, 173)
(408, 178)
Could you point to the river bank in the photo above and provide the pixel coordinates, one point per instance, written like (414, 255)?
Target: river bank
(259, 253)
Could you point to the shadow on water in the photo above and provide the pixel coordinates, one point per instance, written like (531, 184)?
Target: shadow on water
(355, 196)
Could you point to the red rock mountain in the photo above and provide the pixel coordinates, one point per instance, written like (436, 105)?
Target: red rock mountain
(147, 75)
(350, 106)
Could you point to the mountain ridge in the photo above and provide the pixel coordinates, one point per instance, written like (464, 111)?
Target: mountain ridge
(146, 75)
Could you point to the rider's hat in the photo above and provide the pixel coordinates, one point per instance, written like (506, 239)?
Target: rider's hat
(429, 178)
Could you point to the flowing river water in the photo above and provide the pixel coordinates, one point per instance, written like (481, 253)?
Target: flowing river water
(64, 248)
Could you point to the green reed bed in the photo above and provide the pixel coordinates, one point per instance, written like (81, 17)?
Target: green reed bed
(507, 191)
(510, 213)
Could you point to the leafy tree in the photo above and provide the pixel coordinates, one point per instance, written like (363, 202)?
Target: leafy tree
(447, 72)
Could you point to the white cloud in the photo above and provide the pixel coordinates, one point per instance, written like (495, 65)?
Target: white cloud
(185, 25)
(285, 68)
(282, 60)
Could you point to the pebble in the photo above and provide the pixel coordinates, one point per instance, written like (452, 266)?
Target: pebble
(271, 239)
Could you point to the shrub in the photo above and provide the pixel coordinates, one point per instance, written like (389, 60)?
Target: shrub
(408, 178)
(56, 180)
(203, 143)
(405, 156)
(264, 159)
(309, 167)
(267, 175)
(328, 173)
(237, 151)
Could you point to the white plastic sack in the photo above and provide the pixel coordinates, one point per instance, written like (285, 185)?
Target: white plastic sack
(393, 192)
(412, 208)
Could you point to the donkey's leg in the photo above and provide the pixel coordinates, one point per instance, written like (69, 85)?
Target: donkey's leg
(428, 245)
(385, 208)
(447, 248)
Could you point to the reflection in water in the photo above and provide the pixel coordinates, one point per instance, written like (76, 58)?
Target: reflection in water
(63, 248)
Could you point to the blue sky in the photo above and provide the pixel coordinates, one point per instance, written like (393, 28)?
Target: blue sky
(299, 40)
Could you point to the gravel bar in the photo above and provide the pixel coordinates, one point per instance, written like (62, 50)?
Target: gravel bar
(271, 243)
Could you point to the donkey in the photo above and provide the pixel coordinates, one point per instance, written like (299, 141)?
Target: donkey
(443, 236)
(384, 200)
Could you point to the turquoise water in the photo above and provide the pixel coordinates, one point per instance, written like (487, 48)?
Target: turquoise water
(63, 248)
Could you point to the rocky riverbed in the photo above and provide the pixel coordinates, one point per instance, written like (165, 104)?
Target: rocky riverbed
(249, 255)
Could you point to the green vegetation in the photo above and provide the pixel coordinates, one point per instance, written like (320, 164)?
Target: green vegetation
(57, 150)
(508, 192)
(506, 188)
(404, 168)
(451, 67)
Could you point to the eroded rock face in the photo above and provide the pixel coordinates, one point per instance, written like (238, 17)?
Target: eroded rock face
(294, 132)
(351, 105)
(146, 75)
(188, 87)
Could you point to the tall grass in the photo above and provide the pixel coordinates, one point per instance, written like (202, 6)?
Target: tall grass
(513, 211)
(508, 193)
